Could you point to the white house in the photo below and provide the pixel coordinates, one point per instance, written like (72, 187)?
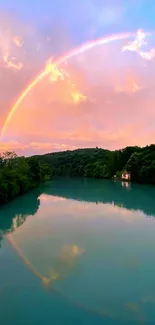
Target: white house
(126, 176)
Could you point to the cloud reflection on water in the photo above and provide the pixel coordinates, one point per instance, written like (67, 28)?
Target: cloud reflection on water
(71, 244)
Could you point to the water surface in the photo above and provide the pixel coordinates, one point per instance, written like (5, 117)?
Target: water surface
(79, 251)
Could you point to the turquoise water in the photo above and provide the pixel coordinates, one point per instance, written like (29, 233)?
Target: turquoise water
(78, 251)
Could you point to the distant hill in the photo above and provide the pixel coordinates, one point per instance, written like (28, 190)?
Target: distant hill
(100, 163)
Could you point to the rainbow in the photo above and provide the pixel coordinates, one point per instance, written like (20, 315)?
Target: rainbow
(85, 47)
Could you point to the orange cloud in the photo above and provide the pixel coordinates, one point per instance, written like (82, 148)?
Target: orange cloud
(130, 83)
(102, 97)
(23, 52)
(18, 41)
(12, 146)
(40, 146)
(34, 147)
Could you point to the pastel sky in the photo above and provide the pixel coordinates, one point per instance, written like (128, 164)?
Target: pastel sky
(103, 97)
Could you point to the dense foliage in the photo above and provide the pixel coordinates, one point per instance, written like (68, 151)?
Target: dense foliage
(102, 163)
(19, 174)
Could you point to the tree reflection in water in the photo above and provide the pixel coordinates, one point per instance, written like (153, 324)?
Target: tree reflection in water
(15, 213)
(62, 264)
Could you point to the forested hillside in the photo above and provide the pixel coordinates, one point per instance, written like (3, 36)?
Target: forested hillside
(102, 163)
(20, 174)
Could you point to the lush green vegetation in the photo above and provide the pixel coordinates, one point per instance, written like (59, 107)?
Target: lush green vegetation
(20, 174)
(102, 163)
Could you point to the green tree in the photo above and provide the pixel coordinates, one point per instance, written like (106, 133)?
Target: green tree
(20, 174)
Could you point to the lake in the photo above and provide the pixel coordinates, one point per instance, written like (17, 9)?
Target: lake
(78, 251)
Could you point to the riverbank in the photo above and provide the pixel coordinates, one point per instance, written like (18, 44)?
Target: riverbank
(20, 174)
(100, 163)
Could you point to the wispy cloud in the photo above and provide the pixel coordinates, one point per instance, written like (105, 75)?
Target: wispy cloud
(34, 147)
(138, 44)
(148, 55)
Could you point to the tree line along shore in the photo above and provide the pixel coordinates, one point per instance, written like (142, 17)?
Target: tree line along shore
(20, 174)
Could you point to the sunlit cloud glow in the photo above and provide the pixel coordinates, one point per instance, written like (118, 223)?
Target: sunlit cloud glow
(94, 95)
(148, 55)
(18, 41)
(137, 43)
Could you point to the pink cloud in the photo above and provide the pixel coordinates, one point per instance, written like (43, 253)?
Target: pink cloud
(34, 147)
(12, 146)
(117, 110)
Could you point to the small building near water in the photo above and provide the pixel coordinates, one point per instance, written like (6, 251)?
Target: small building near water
(126, 176)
